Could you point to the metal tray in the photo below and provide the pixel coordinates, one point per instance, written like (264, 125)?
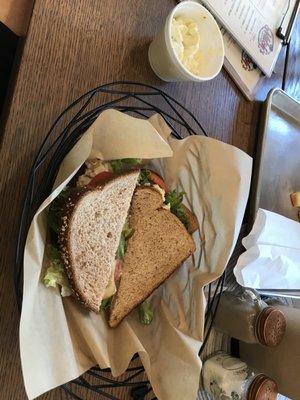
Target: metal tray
(276, 171)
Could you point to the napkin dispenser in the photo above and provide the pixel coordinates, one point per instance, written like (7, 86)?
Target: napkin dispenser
(277, 162)
(275, 178)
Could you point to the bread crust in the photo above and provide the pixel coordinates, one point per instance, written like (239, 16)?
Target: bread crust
(64, 236)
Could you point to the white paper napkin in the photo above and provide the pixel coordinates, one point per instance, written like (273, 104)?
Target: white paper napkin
(59, 339)
(272, 257)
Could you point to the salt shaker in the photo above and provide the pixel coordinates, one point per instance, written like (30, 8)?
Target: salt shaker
(246, 317)
(229, 378)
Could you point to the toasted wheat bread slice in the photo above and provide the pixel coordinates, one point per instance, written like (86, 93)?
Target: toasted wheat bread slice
(90, 233)
(158, 246)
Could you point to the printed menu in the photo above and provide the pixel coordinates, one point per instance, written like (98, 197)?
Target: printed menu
(253, 24)
(240, 66)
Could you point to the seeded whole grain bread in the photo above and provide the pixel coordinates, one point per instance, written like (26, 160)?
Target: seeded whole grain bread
(158, 246)
(89, 236)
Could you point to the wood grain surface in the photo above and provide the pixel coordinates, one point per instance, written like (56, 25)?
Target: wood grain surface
(71, 47)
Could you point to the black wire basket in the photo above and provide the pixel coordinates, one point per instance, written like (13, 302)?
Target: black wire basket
(138, 100)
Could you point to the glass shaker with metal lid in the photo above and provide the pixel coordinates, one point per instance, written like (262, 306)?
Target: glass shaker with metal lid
(229, 378)
(246, 317)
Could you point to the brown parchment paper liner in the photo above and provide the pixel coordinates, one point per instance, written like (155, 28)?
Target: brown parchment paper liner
(59, 339)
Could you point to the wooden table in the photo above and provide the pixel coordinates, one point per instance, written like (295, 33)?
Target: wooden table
(71, 47)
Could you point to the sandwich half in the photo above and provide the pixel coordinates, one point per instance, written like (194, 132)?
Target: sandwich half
(89, 237)
(158, 246)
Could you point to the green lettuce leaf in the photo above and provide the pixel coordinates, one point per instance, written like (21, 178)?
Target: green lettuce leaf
(121, 247)
(146, 314)
(55, 276)
(125, 164)
(144, 177)
(105, 303)
(175, 200)
(127, 232)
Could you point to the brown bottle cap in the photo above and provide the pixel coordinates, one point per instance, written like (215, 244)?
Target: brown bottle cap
(262, 388)
(270, 326)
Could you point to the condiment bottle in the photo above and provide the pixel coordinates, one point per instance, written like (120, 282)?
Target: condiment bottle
(229, 378)
(246, 317)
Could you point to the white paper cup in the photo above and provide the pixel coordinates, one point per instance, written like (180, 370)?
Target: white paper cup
(163, 59)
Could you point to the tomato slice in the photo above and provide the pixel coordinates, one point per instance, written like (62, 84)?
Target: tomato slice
(158, 180)
(118, 269)
(100, 178)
